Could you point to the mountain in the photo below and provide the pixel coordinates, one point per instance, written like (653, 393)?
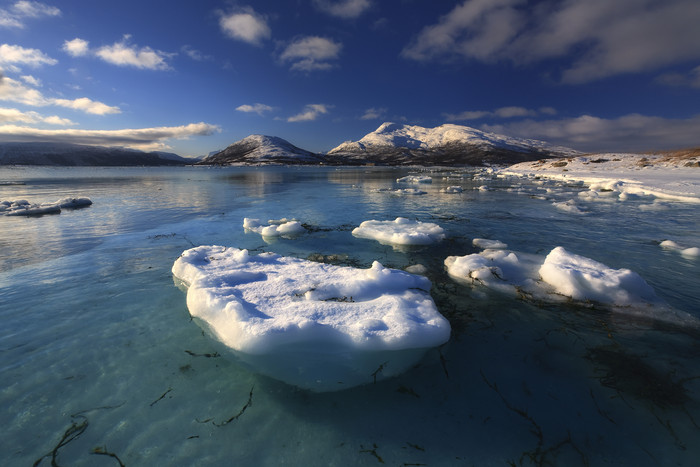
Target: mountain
(66, 154)
(261, 149)
(394, 144)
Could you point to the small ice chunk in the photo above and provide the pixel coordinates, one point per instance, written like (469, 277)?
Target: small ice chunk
(274, 229)
(409, 191)
(486, 244)
(692, 252)
(584, 279)
(313, 325)
(415, 179)
(401, 231)
(73, 202)
(417, 269)
(569, 206)
(452, 189)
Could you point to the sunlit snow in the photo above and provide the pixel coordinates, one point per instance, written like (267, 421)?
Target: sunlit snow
(400, 231)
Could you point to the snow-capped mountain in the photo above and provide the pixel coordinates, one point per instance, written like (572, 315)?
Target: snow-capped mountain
(66, 154)
(395, 144)
(261, 149)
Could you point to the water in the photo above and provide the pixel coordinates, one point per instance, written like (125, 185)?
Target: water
(98, 354)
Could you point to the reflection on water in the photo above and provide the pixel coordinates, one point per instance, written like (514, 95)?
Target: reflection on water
(98, 352)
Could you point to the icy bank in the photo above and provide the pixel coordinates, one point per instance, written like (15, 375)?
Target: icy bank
(666, 176)
(563, 276)
(400, 231)
(275, 228)
(313, 325)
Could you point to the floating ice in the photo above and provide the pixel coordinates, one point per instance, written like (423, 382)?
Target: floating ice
(22, 207)
(486, 244)
(560, 274)
(409, 191)
(692, 252)
(313, 325)
(415, 179)
(401, 231)
(275, 229)
(452, 189)
(569, 206)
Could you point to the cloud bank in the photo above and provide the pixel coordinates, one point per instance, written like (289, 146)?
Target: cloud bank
(146, 139)
(632, 132)
(595, 38)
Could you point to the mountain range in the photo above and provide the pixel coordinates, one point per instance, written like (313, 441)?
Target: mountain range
(66, 154)
(390, 144)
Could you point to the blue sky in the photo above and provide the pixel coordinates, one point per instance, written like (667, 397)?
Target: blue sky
(194, 77)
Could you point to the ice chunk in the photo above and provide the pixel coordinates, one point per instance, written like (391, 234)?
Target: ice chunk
(584, 279)
(401, 231)
(692, 252)
(486, 244)
(415, 179)
(22, 207)
(560, 274)
(274, 229)
(452, 189)
(73, 202)
(312, 325)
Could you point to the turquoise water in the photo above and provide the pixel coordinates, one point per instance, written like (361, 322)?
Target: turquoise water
(98, 354)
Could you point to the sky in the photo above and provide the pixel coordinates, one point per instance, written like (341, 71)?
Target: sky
(193, 77)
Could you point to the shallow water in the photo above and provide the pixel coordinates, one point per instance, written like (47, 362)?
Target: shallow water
(98, 353)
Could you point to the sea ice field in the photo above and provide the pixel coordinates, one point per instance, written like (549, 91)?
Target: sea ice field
(484, 319)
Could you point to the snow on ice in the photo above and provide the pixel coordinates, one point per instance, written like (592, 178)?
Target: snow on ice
(22, 207)
(274, 228)
(313, 325)
(400, 231)
(692, 252)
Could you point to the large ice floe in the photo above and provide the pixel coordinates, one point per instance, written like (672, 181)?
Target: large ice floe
(313, 325)
(400, 231)
(563, 276)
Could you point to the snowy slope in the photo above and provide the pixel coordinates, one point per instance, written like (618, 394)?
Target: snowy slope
(262, 149)
(420, 144)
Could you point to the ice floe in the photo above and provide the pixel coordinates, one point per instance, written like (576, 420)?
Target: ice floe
(692, 252)
(486, 244)
(452, 189)
(415, 179)
(274, 228)
(400, 231)
(313, 325)
(560, 276)
(22, 207)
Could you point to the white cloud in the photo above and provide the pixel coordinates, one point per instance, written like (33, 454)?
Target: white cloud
(124, 54)
(259, 109)
(595, 38)
(86, 105)
(8, 115)
(374, 113)
(633, 132)
(245, 25)
(140, 138)
(310, 112)
(690, 79)
(76, 47)
(347, 9)
(13, 91)
(31, 80)
(14, 17)
(15, 54)
(311, 53)
(503, 112)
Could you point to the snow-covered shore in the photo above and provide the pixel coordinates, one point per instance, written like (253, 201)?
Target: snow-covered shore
(672, 175)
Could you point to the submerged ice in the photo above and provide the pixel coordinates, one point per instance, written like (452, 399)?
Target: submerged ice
(312, 325)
